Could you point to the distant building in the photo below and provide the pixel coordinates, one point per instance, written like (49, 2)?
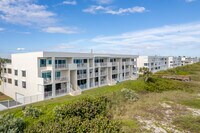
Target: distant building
(153, 63)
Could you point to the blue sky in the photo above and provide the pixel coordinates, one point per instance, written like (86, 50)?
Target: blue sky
(145, 27)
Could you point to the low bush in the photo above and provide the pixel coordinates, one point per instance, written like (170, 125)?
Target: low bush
(10, 124)
(31, 111)
(129, 95)
(99, 124)
(87, 108)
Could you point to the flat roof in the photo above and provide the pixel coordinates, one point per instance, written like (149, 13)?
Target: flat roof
(73, 54)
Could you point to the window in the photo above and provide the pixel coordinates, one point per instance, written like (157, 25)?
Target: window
(58, 74)
(23, 73)
(46, 75)
(60, 61)
(5, 70)
(5, 80)
(23, 84)
(9, 80)
(42, 62)
(49, 62)
(16, 82)
(16, 72)
(9, 71)
(145, 64)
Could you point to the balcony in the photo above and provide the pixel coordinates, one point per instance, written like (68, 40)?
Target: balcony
(48, 94)
(83, 86)
(103, 82)
(103, 64)
(114, 63)
(96, 74)
(97, 65)
(96, 83)
(82, 65)
(81, 76)
(114, 71)
(103, 73)
(47, 81)
(61, 91)
(127, 70)
(132, 63)
(61, 66)
(91, 75)
(127, 63)
(61, 79)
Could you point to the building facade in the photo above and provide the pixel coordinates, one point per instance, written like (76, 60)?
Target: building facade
(174, 61)
(153, 63)
(53, 74)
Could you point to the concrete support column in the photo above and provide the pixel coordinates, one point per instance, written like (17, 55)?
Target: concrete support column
(99, 75)
(53, 77)
(88, 74)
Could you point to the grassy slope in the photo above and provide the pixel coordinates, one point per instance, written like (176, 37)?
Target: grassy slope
(148, 102)
(192, 70)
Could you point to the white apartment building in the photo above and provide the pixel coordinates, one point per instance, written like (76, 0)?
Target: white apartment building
(154, 63)
(53, 74)
(188, 60)
(174, 61)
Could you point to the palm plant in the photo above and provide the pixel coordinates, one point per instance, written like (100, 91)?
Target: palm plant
(146, 73)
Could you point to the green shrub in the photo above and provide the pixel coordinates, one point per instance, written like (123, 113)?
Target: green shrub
(100, 124)
(86, 109)
(129, 95)
(31, 111)
(10, 124)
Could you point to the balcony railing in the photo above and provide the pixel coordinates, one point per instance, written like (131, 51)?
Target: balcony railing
(61, 91)
(103, 82)
(103, 64)
(127, 63)
(48, 94)
(96, 74)
(61, 66)
(103, 73)
(91, 75)
(132, 63)
(114, 71)
(47, 81)
(96, 83)
(61, 78)
(127, 70)
(91, 85)
(114, 80)
(82, 65)
(114, 63)
(83, 86)
(97, 64)
(82, 76)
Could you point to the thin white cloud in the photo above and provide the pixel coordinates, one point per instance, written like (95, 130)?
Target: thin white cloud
(108, 10)
(63, 30)
(25, 12)
(69, 2)
(104, 1)
(20, 49)
(177, 37)
(189, 1)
